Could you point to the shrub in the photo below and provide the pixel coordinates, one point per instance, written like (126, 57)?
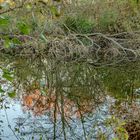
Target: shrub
(79, 24)
(107, 20)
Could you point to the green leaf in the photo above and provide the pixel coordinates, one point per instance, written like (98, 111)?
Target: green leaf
(115, 139)
(23, 28)
(40, 138)
(4, 21)
(43, 38)
(1, 90)
(53, 9)
(8, 77)
(17, 130)
(12, 94)
(16, 41)
(7, 43)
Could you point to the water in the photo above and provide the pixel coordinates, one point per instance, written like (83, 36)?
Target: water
(45, 99)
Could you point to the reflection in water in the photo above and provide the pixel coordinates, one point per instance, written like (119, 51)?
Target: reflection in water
(59, 100)
(40, 104)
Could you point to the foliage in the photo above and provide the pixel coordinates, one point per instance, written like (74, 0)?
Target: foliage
(7, 77)
(118, 128)
(23, 28)
(83, 17)
(97, 32)
(124, 84)
(79, 24)
(108, 20)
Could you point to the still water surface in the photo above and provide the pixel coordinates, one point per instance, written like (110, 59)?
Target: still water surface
(47, 100)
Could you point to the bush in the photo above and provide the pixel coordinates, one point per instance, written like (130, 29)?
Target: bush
(107, 20)
(79, 24)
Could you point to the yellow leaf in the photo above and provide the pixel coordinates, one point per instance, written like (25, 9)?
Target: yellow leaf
(1, 1)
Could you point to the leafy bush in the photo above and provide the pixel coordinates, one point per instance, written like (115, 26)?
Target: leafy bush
(107, 19)
(79, 24)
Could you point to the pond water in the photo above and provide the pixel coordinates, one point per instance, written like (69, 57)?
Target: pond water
(52, 100)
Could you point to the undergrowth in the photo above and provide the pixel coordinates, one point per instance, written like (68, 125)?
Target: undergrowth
(100, 28)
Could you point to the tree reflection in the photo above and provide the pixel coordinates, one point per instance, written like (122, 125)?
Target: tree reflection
(63, 100)
(40, 104)
(67, 95)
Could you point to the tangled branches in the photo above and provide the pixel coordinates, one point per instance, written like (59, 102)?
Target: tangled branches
(95, 49)
(13, 8)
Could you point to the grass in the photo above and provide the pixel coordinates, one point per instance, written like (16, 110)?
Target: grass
(109, 17)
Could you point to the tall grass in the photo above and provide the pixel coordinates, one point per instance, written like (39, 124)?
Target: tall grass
(107, 15)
